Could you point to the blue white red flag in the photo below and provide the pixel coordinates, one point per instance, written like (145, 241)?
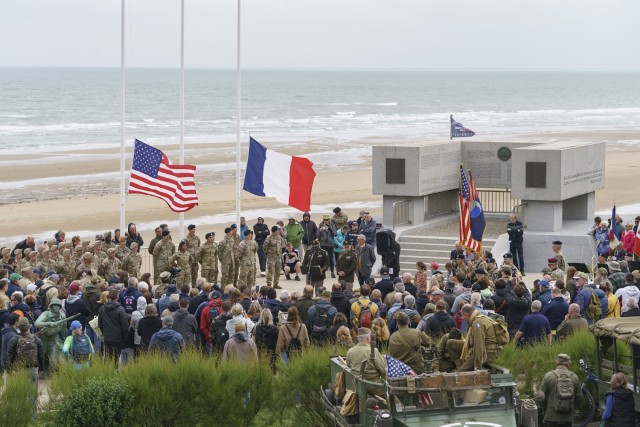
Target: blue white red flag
(614, 233)
(397, 368)
(287, 178)
(458, 130)
(153, 174)
(472, 221)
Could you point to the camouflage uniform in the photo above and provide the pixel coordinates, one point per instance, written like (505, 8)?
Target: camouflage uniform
(152, 246)
(236, 266)
(340, 220)
(272, 248)
(227, 260)
(246, 252)
(184, 260)
(122, 253)
(193, 244)
(208, 259)
(99, 256)
(132, 264)
(109, 268)
(67, 269)
(162, 252)
(561, 262)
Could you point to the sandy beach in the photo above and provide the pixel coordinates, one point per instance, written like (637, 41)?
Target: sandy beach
(63, 190)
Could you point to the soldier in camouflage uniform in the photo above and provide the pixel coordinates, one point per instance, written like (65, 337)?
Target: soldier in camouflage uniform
(98, 253)
(6, 252)
(183, 259)
(226, 254)
(246, 252)
(162, 252)
(339, 219)
(236, 266)
(556, 246)
(33, 259)
(208, 258)
(21, 263)
(122, 250)
(193, 244)
(493, 272)
(78, 251)
(152, 245)
(461, 267)
(272, 248)
(54, 255)
(67, 266)
(133, 261)
(110, 266)
(108, 243)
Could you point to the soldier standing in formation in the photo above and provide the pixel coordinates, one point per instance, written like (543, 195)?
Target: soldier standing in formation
(227, 258)
(208, 258)
(152, 245)
(184, 260)
(246, 252)
(556, 246)
(132, 262)
(236, 265)
(162, 252)
(110, 266)
(193, 244)
(272, 248)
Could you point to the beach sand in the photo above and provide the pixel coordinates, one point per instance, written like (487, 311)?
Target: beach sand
(84, 207)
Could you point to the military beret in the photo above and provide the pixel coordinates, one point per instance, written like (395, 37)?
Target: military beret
(557, 242)
(191, 227)
(273, 229)
(247, 232)
(459, 256)
(165, 233)
(210, 234)
(491, 260)
(480, 271)
(336, 210)
(228, 229)
(507, 255)
(552, 260)
(233, 226)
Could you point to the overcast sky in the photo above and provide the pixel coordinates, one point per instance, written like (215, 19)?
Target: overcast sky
(334, 34)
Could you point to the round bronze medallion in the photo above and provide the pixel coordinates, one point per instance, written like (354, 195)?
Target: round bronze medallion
(504, 153)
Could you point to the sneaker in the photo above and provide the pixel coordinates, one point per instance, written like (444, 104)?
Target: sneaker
(287, 276)
(277, 287)
(523, 274)
(263, 274)
(333, 275)
(297, 278)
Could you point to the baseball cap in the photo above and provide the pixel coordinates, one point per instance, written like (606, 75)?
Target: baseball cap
(326, 294)
(544, 283)
(565, 358)
(75, 325)
(23, 324)
(15, 276)
(216, 294)
(74, 288)
(384, 270)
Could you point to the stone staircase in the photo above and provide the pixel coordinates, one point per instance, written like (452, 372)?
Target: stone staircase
(428, 249)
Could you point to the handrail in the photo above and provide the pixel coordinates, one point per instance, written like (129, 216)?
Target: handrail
(401, 213)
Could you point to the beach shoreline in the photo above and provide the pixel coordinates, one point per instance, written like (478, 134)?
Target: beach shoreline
(78, 191)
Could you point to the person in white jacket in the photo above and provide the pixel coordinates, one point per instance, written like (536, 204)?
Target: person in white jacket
(629, 290)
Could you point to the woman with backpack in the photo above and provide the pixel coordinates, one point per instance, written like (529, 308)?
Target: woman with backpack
(78, 347)
(265, 335)
(293, 336)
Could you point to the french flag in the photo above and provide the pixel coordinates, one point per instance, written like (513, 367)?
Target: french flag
(287, 178)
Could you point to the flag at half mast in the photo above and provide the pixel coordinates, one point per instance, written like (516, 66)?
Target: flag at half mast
(472, 222)
(458, 130)
(153, 174)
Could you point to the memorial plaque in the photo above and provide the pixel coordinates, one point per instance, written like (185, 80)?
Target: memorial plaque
(504, 153)
(536, 175)
(395, 171)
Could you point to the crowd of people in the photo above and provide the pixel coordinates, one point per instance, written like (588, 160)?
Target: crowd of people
(83, 297)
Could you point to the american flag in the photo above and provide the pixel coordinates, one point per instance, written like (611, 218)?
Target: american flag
(153, 174)
(472, 222)
(397, 368)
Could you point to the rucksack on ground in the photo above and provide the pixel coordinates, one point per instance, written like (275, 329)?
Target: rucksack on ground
(365, 319)
(501, 330)
(80, 348)
(27, 351)
(563, 403)
(294, 344)
(594, 309)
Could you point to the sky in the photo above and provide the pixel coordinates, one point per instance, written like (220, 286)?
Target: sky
(570, 35)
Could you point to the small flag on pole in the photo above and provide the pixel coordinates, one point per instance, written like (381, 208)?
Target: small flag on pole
(458, 130)
(153, 174)
(271, 174)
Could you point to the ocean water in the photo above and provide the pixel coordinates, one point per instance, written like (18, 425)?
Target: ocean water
(57, 109)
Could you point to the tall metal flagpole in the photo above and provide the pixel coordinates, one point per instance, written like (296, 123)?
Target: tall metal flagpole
(181, 215)
(122, 118)
(238, 189)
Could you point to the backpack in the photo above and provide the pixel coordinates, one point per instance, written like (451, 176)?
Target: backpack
(80, 348)
(501, 330)
(321, 321)
(594, 309)
(27, 351)
(220, 330)
(41, 297)
(563, 403)
(365, 319)
(294, 344)
(214, 313)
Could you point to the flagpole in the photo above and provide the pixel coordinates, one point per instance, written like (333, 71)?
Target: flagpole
(181, 214)
(238, 89)
(122, 119)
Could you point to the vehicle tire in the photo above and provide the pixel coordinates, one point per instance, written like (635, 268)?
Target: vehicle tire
(585, 411)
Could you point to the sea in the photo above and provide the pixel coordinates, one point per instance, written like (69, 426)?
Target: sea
(66, 109)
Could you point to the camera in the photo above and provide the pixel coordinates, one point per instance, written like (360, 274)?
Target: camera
(174, 272)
